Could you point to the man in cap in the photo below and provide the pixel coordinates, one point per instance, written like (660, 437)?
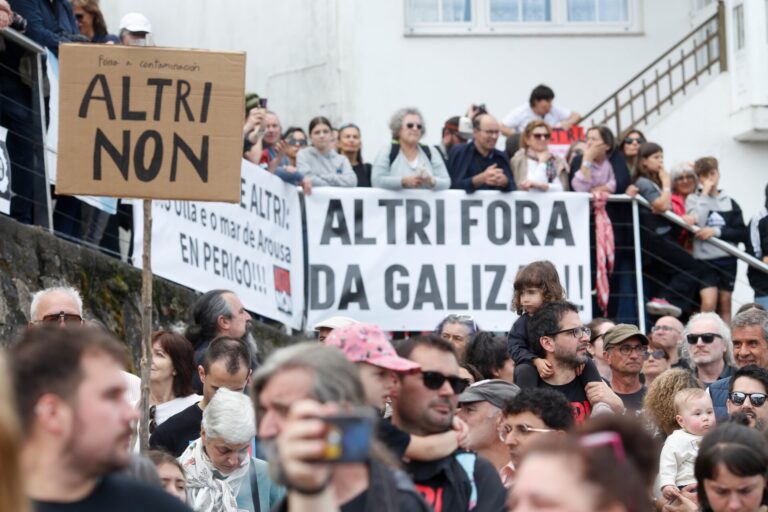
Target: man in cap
(135, 30)
(625, 350)
(480, 408)
(325, 327)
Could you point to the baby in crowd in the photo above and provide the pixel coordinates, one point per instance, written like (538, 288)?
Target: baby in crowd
(535, 285)
(696, 416)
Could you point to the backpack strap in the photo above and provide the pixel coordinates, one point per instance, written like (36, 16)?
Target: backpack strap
(467, 462)
(254, 478)
(395, 149)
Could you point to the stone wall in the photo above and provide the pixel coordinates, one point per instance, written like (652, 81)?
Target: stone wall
(32, 259)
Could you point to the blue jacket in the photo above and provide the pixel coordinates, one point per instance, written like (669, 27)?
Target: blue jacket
(48, 22)
(718, 391)
(459, 164)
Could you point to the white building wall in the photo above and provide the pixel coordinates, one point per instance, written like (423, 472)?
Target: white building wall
(350, 59)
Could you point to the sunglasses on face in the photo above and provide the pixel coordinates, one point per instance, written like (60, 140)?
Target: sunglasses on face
(738, 398)
(67, 318)
(656, 354)
(297, 142)
(632, 140)
(435, 380)
(411, 126)
(541, 136)
(706, 337)
(79, 16)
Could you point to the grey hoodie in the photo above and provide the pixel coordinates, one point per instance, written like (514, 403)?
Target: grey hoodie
(721, 213)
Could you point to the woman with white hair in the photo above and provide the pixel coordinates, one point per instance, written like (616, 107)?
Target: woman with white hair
(405, 163)
(221, 475)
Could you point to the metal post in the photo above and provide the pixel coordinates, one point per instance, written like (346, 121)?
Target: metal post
(43, 138)
(638, 267)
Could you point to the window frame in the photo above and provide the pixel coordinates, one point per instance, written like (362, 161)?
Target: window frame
(481, 24)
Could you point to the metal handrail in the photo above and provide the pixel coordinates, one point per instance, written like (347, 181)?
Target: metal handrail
(22, 40)
(612, 106)
(676, 219)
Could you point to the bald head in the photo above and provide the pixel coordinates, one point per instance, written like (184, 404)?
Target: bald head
(667, 333)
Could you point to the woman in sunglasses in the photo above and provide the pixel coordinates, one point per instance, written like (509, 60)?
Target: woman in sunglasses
(656, 362)
(90, 22)
(406, 163)
(629, 145)
(533, 166)
(351, 147)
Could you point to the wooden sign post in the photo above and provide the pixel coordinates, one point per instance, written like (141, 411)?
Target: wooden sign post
(150, 123)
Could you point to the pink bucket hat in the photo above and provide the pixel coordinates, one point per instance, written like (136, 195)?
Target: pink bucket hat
(365, 343)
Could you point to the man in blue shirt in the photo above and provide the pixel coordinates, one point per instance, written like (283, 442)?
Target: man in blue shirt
(478, 165)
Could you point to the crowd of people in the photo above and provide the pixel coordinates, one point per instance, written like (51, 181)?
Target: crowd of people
(683, 272)
(557, 415)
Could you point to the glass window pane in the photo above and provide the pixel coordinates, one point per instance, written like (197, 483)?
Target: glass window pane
(612, 10)
(423, 11)
(738, 22)
(457, 10)
(537, 10)
(581, 10)
(505, 10)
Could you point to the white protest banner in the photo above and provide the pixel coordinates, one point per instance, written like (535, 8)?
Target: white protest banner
(253, 247)
(5, 174)
(404, 260)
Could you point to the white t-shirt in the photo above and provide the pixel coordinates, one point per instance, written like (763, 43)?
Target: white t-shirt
(522, 115)
(175, 406)
(538, 172)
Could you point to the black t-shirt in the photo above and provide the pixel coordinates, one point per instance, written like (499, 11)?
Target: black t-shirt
(633, 402)
(119, 494)
(574, 392)
(445, 485)
(357, 504)
(175, 433)
(393, 438)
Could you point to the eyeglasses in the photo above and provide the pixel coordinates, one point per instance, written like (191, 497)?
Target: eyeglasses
(667, 328)
(657, 354)
(706, 337)
(57, 318)
(626, 350)
(685, 177)
(541, 136)
(152, 422)
(297, 142)
(411, 126)
(520, 430)
(633, 140)
(738, 398)
(576, 332)
(435, 380)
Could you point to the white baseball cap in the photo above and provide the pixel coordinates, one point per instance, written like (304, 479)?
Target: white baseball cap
(135, 22)
(335, 322)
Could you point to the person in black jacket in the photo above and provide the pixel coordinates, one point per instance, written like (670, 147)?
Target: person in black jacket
(478, 165)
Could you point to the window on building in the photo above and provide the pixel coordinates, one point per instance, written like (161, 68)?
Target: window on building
(541, 17)
(738, 26)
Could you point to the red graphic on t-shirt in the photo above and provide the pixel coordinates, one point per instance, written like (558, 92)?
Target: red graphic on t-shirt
(433, 497)
(581, 411)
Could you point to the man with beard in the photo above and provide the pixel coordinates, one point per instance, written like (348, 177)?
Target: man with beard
(708, 348)
(218, 313)
(747, 394)
(625, 350)
(749, 333)
(225, 365)
(78, 424)
(425, 405)
(558, 336)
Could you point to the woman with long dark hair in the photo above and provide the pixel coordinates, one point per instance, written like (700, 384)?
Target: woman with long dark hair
(669, 269)
(170, 377)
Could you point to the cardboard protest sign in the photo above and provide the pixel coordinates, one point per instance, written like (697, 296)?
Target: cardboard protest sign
(150, 122)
